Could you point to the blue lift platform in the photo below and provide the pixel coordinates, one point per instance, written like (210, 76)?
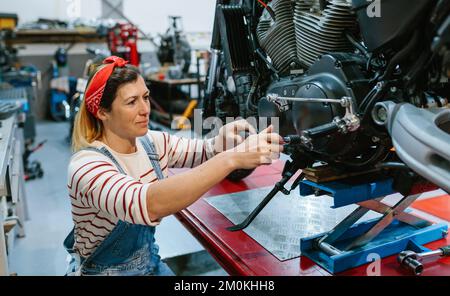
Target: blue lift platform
(349, 244)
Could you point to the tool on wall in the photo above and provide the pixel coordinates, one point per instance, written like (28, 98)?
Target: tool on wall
(119, 12)
(122, 41)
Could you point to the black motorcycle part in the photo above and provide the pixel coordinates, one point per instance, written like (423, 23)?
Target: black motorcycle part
(395, 21)
(238, 175)
(233, 36)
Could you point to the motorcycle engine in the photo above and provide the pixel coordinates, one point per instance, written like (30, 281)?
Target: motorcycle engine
(331, 71)
(304, 30)
(333, 76)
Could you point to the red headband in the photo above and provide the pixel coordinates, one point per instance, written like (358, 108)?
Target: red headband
(96, 87)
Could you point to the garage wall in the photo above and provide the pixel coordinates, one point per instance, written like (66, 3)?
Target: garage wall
(150, 15)
(31, 10)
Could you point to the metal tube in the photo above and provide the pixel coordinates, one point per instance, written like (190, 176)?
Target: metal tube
(306, 100)
(312, 100)
(329, 249)
(431, 254)
(215, 40)
(212, 70)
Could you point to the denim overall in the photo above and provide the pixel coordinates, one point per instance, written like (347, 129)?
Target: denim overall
(130, 249)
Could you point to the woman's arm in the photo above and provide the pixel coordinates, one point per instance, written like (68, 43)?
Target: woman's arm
(94, 182)
(186, 152)
(175, 193)
(168, 196)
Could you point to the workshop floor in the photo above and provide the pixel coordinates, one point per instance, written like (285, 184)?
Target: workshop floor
(41, 251)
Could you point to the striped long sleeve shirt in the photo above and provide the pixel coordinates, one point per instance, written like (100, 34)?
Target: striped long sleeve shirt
(101, 196)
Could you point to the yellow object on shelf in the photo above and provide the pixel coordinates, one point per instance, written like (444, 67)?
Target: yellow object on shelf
(183, 119)
(8, 21)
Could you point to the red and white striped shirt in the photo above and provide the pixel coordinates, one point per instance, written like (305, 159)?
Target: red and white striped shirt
(101, 196)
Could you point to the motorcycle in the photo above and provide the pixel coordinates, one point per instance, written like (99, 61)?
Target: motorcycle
(357, 85)
(174, 49)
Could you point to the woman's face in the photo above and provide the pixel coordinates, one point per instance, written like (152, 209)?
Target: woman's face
(130, 110)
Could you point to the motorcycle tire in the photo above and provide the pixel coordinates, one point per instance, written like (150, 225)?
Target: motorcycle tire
(238, 175)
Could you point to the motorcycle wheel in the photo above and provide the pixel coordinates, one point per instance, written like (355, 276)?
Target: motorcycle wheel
(238, 175)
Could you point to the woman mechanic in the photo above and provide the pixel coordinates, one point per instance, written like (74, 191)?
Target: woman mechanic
(117, 178)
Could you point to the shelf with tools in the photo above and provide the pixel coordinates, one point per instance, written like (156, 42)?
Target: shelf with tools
(55, 36)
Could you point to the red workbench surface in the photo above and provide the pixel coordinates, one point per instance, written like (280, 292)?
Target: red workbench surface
(239, 254)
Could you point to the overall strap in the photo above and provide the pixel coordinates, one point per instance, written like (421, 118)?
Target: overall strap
(152, 155)
(70, 239)
(108, 154)
(154, 159)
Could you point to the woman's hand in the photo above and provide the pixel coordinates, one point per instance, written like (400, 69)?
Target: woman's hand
(256, 150)
(229, 135)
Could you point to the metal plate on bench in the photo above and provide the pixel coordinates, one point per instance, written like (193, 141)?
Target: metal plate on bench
(286, 219)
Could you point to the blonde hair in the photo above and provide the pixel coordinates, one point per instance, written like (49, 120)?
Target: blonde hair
(86, 129)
